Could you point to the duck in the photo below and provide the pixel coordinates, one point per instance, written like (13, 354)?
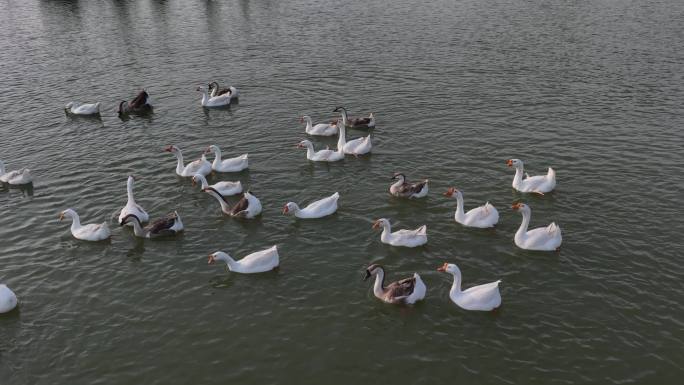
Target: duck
(248, 206)
(76, 108)
(356, 147)
(320, 129)
(481, 217)
(236, 164)
(326, 155)
(484, 297)
(131, 206)
(368, 122)
(215, 90)
(318, 209)
(404, 292)
(223, 188)
(406, 238)
(169, 225)
(258, 262)
(539, 184)
(139, 105)
(200, 166)
(542, 238)
(219, 100)
(8, 300)
(90, 232)
(403, 189)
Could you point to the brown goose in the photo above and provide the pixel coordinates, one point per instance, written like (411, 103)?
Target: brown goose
(403, 189)
(406, 291)
(169, 225)
(138, 105)
(215, 90)
(248, 206)
(368, 122)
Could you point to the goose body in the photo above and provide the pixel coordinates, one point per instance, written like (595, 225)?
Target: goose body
(368, 122)
(214, 100)
(406, 238)
(358, 146)
(223, 188)
(200, 166)
(535, 184)
(166, 226)
(227, 165)
(139, 105)
(248, 206)
(406, 291)
(4, 174)
(90, 232)
(320, 129)
(318, 209)
(259, 262)
(20, 177)
(76, 108)
(482, 297)
(131, 206)
(481, 217)
(326, 155)
(403, 189)
(542, 238)
(8, 300)
(215, 90)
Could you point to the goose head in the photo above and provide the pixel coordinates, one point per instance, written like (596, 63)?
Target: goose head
(304, 144)
(338, 109)
(290, 207)
(449, 268)
(217, 256)
(211, 149)
(67, 212)
(517, 163)
(372, 270)
(399, 176)
(171, 148)
(197, 178)
(127, 219)
(380, 223)
(452, 191)
(518, 206)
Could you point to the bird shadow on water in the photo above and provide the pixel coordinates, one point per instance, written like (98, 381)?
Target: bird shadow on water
(137, 251)
(25, 189)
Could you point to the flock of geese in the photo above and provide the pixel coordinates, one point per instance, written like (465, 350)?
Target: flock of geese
(484, 297)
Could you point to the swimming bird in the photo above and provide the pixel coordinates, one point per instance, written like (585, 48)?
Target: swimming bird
(169, 225)
(220, 100)
(224, 188)
(8, 300)
(77, 108)
(368, 122)
(215, 90)
(356, 147)
(236, 164)
(139, 105)
(131, 206)
(19, 177)
(200, 166)
(326, 155)
(406, 291)
(484, 297)
(258, 262)
(403, 189)
(90, 232)
(536, 184)
(481, 217)
(406, 238)
(542, 238)
(247, 207)
(318, 209)
(320, 129)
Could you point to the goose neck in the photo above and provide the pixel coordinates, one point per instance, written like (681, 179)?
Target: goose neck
(522, 231)
(460, 212)
(456, 286)
(129, 191)
(517, 179)
(342, 140)
(379, 285)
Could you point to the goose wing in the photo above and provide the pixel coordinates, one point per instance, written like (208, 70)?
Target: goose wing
(240, 207)
(400, 290)
(162, 225)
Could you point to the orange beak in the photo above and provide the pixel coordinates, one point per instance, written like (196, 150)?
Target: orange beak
(194, 182)
(516, 206)
(443, 267)
(168, 149)
(61, 216)
(450, 192)
(509, 163)
(301, 120)
(211, 260)
(285, 209)
(376, 224)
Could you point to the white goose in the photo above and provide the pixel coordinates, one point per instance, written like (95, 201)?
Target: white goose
(214, 101)
(248, 206)
(223, 188)
(6, 175)
(317, 209)
(481, 217)
(320, 129)
(406, 238)
(22, 177)
(326, 155)
(542, 238)
(169, 225)
(482, 297)
(8, 300)
(356, 147)
(259, 262)
(407, 291)
(536, 184)
(227, 165)
(131, 206)
(77, 108)
(90, 232)
(200, 166)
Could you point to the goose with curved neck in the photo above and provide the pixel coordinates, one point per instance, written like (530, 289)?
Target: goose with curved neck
(258, 262)
(214, 101)
(248, 206)
(368, 122)
(539, 184)
(217, 91)
(76, 108)
(326, 155)
(89, 232)
(542, 238)
(139, 105)
(356, 147)
(318, 209)
(225, 188)
(320, 129)
(480, 217)
(167, 226)
(406, 238)
(406, 291)
(402, 189)
(131, 206)
(482, 297)
(227, 165)
(200, 166)
(8, 300)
